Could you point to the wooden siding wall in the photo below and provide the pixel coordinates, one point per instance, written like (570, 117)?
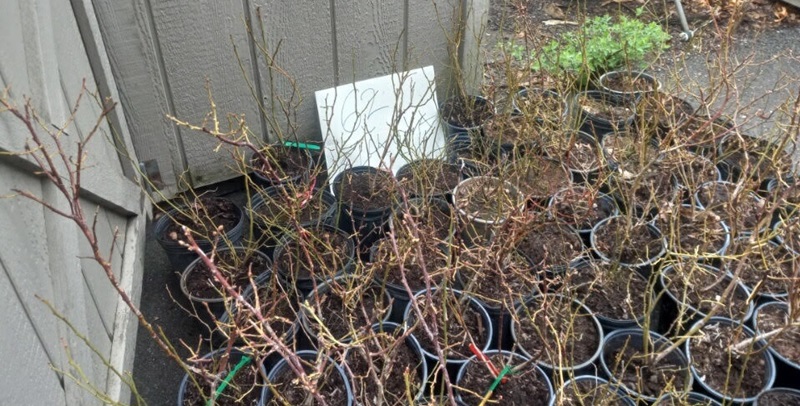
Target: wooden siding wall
(49, 47)
(162, 53)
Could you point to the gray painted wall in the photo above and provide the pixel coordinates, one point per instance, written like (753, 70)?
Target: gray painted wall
(162, 53)
(49, 47)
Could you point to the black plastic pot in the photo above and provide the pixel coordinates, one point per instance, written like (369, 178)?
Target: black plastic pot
(688, 399)
(307, 283)
(633, 95)
(586, 367)
(674, 248)
(786, 395)
(299, 158)
(312, 357)
(598, 126)
(179, 257)
(634, 338)
(477, 230)
(603, 203)
(510, 137)
(564, 153)
(788, 371)
(787, 207)
(642, 265)
(713, 392)
(453, 126)
(612, 393)
(700, 199)
(470, 363)
(659, 113)
(524, 93)
(766, 254)
(415, 212)
(760, 153)
(432, 185)
(367, 224)
(234, 358)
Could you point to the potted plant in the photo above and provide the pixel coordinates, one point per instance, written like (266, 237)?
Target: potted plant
(366, 196)
(685, 399)
(628, 242)
(579, 152)
(630, 84)
(767, 269)
(312, 254)
(546, 107)
(581, 208)
(480, 381)
(509, 137)
(586, 390)
(659, 113)
(742, 210)
(465, 114)
(407, 262)
(483, 204)
(778, 397)
(752, 159)
(548, 244)
(224, 377)
(694, 232)
(536, 177)
(431, 219)
(776, 323)
(279, 164)
(431, 178)
(322, 378)
(602, 112)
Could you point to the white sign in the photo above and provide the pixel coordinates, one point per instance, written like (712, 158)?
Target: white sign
(383, 122)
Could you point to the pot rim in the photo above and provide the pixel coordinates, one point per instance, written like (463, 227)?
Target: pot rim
(513, 190)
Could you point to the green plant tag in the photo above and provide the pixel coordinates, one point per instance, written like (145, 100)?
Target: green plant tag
(242, 362)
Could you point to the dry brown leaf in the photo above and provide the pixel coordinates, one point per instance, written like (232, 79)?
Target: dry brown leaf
(553, 11)
(780, 11)
(559, 22)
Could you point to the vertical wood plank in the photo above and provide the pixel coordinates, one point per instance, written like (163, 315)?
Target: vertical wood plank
(197, 41)
(475, 19)
(301, 32)
(433, 26)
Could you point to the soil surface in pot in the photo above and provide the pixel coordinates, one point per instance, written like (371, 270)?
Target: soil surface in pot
(741, 210)
(701, 133)
(429, 177)
(317, 251)
(526, 387)
(487, 198)
(778, 399)
(639, 372)
(555, 331)
(244, 389)
(589, 393)
(703, 288)
(625, 82)
(278, 308)
(367, 190)
(604, 109)
(692, 230)
(428, 221)
(549, 244)
(384, 369)
(498, 279)
(510, 131)
(690, 170)
(788, 342)
(288, 390)
(765, 268)
(237, 267)
(347, 308)
(736, 374)
(581, 208)
(664, 110)
(631, 151)
(537, 177)
(546, 108)
(287, 206)
(203, 215)
(281, 163)
(618, 293)
(578, 154)
(466, 113)
(457, 324)
(757, 157)
(629, 245)
(388, 265)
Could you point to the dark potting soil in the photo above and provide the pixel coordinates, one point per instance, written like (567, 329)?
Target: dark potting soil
(736, 374)
(580, 208)
(487, 198)
(638, 371)
(244, 388)
(631, 151)
(627, 245)
(765, 268)
(789, 232)
(537, 177)
(281, 163)
(346, 310)
(786, 343)
(578, 154)
(741, 210)
(367, 190)
(703, 289)
(629, 84)
(389, 266)
(278, 308)
(428, 221)
(757, 157)
(457, 324)
(604, 109)
(549, 244)
(237, 267)
(555, 331)
(544, 107)
(429, 177)
(692, 230)
(778, 399)
(465, 113)
(385, 370)
(690, 170)
(317, 251)
(664, 110)
(699, 132)
(511, 130)
(590, 393)
(618, 294)
(287, 389)
(526, 387)
(203, 216)
(497, 279)
(278, 210)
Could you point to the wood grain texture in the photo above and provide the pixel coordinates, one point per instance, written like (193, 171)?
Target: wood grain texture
(301, 32)
(197, 41)
(432, 25)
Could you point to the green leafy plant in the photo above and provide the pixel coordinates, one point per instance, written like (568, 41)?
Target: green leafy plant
(602, 45)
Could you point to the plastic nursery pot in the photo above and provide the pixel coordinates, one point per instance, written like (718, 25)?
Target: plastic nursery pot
(658, 113)
(313, 254)
(602, 112)
(581, 208)
(240, 372)
(623, 357)
(755, 159)
(685, 224)
(431, 219)
(784, 192)
(483, 204)
(284, 388)
(384, 339)
(547, 107)
(711, 337)
(590, 390)
(206, 295)
(278, 207)
(726, 198)
(629, 84)
(787, 234)
(453, 302)
(694, 289)
(326, 304)
(531, 386)
(286, 165)
(550, 331)
(510, 137)
(788, 370)
(365, 196)
(437, 401)
(767, 267)
(701, 134)
(465, 115)
(581, 154)
(685, 399)
(226, 214)
(431, 178)
(645, 233)
(778, 397)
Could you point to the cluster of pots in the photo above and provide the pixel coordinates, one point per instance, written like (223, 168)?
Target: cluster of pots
(553, 287)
